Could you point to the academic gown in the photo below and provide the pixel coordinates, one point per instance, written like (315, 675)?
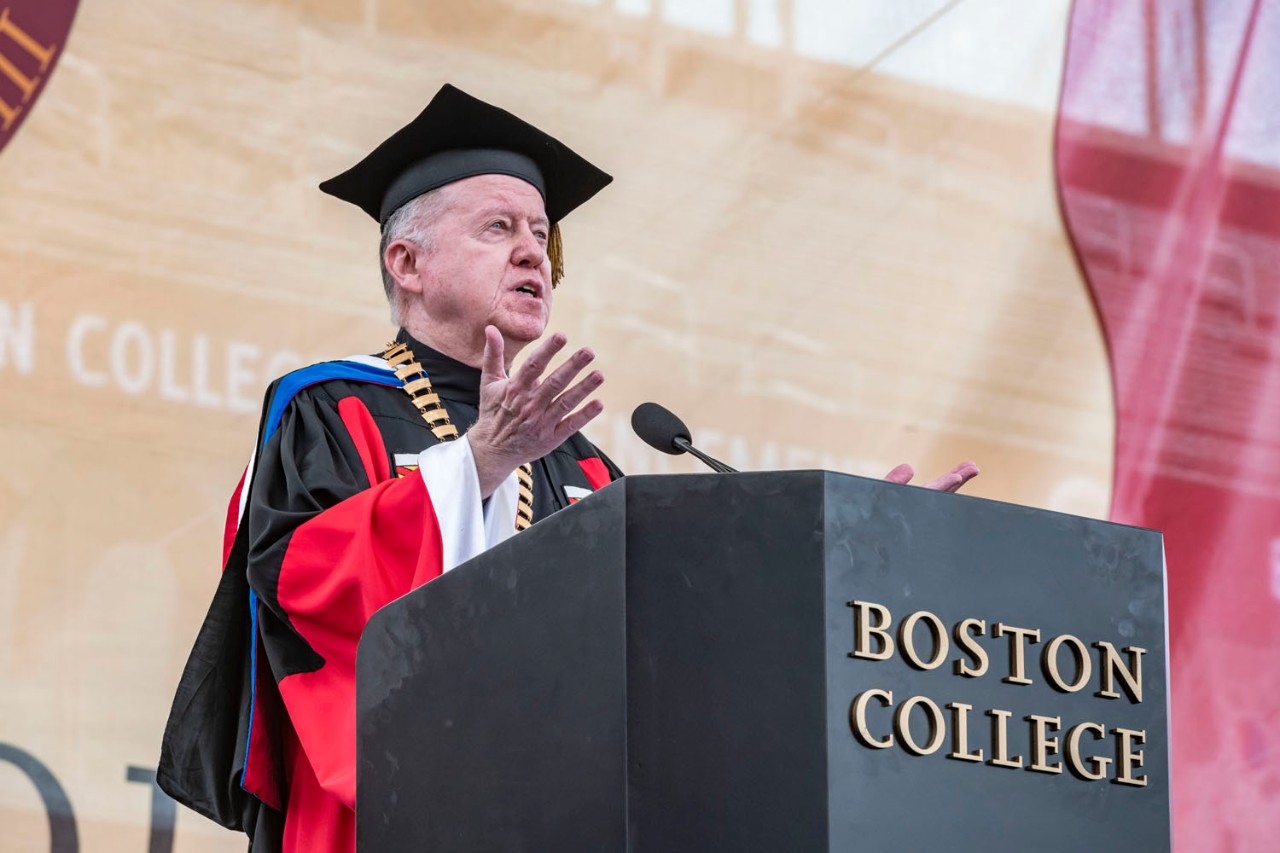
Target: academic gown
(349, 503)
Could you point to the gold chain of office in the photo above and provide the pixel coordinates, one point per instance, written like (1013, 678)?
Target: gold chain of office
(418, 386)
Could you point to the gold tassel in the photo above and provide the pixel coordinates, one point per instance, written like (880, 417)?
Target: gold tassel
(555, 252)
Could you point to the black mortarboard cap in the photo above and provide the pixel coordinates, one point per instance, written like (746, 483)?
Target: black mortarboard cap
(458, 136)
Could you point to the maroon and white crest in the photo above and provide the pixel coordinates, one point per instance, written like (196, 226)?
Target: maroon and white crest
(32, 36)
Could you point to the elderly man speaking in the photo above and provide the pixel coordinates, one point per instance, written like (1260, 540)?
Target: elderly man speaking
(375, 474)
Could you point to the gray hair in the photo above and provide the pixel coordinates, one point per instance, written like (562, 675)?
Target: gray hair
(413, 221)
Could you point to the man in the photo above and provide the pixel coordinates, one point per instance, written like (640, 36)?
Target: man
(376, 474)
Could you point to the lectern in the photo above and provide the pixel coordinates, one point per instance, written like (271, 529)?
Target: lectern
(790, 661)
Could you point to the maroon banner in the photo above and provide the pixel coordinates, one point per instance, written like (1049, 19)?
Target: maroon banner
(1169, 177)
(32, 36)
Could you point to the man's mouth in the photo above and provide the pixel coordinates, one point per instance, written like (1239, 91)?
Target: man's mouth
(527, 288)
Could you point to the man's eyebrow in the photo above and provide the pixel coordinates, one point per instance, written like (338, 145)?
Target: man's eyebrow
(509, 211)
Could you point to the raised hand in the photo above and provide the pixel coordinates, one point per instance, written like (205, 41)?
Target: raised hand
(948, 482)
(524, 416)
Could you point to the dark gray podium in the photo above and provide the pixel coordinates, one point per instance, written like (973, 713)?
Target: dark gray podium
(798, 661)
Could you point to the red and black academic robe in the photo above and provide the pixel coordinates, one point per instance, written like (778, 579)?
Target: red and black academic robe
(349, 503)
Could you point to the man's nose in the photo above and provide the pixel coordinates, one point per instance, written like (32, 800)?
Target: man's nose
(529, 251)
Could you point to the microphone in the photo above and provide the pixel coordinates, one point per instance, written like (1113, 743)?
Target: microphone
(662, 430)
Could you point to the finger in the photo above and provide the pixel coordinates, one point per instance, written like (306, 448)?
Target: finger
(491, 366)
(955, 478)
(901, 474)
(563, 375)
(536, 363)
(578, 420)
(569, 400)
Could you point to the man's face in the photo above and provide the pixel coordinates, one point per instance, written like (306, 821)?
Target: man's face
(487, 265)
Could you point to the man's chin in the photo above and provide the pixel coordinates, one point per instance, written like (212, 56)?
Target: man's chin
(520, 335)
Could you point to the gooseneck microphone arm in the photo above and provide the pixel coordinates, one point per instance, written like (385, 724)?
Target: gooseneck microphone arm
(712, 463)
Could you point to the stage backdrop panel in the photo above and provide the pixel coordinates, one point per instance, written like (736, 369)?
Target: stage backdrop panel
(832, 242)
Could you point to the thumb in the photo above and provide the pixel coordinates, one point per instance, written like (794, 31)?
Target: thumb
(491, 366)
(901, 474)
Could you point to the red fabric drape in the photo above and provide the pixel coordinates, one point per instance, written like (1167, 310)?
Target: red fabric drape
(1168, 163)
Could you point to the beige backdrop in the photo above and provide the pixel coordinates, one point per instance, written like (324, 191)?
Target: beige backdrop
(821, 251)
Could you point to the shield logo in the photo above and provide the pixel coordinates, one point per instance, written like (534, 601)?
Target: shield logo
(32, 36)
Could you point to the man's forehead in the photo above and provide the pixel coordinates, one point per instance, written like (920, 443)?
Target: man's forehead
(497, 194)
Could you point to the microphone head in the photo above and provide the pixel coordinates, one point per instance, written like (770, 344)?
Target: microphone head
(659, 428)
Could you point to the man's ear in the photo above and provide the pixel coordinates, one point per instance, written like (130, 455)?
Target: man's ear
(401, 259)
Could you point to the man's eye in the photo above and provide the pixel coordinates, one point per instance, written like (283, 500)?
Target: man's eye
(541, 235)
(498, 225)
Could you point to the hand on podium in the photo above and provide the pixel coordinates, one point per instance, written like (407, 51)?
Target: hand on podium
(948, 482)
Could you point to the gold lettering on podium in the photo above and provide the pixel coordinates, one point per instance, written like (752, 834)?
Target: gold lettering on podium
(1043, 746)
(1084, 665)
(907, 639)
(902, 726)
(1093, 767)
(1128, 758)
(960, 733)
(965, 634)
(1017, 651)
(858, 717)
(1130, 676)
(1046, 746)
(1000, 740)
(864, 631)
